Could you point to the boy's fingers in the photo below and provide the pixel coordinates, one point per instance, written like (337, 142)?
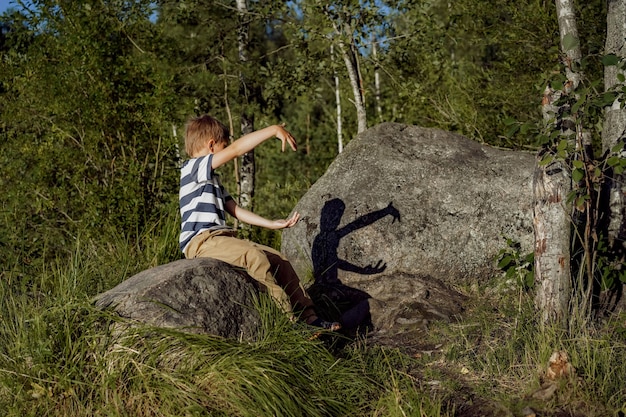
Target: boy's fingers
(292, 143)
(293, 220)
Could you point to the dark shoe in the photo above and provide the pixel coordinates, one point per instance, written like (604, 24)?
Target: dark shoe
(333, 326)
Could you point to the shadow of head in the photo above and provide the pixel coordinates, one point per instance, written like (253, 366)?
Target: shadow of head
(331, 214)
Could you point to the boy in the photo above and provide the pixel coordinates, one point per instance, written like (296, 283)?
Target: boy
(204, 202)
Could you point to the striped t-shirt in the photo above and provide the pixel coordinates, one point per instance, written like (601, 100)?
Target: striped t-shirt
(202, 199)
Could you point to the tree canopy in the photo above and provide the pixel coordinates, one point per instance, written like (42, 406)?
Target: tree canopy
(95, 94)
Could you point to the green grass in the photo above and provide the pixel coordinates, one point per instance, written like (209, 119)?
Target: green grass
(63, 357)
(500, 353)
(59, 356)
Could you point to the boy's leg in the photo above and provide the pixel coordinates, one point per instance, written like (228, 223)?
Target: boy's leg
(287, 278)
(264, 264)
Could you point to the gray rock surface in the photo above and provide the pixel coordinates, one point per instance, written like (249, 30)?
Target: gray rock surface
(199, 296)
(405, 199)
(404, 215)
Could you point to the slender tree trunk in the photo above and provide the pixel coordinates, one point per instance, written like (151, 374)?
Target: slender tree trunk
(337, 102)
(552, 183)
(176, 146)
(379, 110)
(351, 66)
(308, 134)
(248, 167)
(231, 129)
(614, 128)
(570, 42)
(615, 118)
(349, 53)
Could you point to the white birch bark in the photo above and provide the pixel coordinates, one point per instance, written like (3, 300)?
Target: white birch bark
(568, 30)
(614, 128)
(176, 145)
(551, 222)
(379, 110)
(248, 166)
(551, 185)
(350, 58)
(337, 102)
(355, 83)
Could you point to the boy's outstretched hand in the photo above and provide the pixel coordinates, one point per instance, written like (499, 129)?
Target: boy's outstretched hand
(285, 136)
(286, 223)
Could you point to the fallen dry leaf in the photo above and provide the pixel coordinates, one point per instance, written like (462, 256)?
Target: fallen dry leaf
(559, 366)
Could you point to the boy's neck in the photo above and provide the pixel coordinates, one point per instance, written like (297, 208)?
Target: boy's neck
(202, 153)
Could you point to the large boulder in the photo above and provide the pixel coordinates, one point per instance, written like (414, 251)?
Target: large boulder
(405, 211)
(413, 200)
(198, 296)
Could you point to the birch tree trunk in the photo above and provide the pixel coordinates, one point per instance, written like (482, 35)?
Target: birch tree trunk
(379, 110)
(349, 53)
(350, 59)
(337, 102)
(552, 227)
(552, 183)
(614, 128)
(248, 166)
(570, 42)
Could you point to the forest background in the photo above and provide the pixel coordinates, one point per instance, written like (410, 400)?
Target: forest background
(94, 96)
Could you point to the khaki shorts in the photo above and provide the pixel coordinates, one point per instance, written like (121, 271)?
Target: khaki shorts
(266, 265)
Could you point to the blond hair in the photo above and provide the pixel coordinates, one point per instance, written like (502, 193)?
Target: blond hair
(200, 130)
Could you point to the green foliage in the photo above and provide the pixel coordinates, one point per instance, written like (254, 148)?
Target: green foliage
(469, 66)
(517, 266)
(85, 142)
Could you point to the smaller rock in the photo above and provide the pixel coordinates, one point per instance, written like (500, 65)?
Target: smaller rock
(195, 295)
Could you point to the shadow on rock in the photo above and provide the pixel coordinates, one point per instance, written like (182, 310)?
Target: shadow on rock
(380, 304)
(349, 305)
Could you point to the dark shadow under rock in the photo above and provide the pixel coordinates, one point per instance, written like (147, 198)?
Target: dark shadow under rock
(388, 307)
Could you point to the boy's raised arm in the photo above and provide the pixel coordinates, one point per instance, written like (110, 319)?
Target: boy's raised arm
(250, 141)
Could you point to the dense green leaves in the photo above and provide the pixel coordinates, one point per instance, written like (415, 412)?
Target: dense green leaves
(95, 94)
(85, 112)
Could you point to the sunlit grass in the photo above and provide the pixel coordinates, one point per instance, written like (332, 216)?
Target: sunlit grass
(501, 352)
(60, 356)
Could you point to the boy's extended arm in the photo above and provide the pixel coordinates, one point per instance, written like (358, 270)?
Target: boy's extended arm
(249, 217)
(250, 141)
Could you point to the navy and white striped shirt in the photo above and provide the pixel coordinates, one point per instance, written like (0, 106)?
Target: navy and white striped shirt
(202, 199)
